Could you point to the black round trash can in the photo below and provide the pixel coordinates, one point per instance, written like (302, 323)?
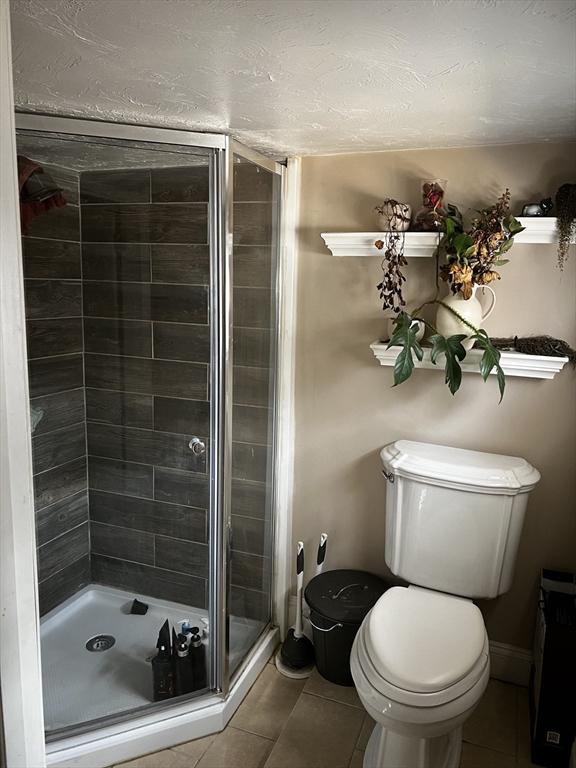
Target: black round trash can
(339, 601)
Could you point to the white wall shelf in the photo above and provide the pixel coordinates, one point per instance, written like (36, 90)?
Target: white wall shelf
(539, 229)
(513, 363)
(362, 243)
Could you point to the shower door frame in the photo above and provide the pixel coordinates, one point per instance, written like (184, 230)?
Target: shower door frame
(220, 291)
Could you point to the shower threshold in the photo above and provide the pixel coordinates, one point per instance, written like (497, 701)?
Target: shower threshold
(81, 685)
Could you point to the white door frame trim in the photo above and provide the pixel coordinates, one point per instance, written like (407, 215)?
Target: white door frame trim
(20, 673)
(284, 448)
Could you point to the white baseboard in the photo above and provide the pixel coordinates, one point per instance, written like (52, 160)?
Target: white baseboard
(510, 663)
(507, 662)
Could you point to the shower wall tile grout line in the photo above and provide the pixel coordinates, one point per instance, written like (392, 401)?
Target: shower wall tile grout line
(65, 533)
(165, 536)
(52, 575)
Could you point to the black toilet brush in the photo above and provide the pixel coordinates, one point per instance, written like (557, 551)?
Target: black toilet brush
(296, 656)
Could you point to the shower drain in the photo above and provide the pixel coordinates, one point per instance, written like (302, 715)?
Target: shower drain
(100, 643)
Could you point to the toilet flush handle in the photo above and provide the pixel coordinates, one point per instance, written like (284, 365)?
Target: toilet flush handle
(388, 475)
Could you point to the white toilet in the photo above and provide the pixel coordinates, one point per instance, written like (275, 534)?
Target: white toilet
(420, 660)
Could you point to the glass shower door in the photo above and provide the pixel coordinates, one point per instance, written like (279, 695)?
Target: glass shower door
(256, 188)
(118, 282)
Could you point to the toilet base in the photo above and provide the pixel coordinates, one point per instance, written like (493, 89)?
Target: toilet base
(387, 749)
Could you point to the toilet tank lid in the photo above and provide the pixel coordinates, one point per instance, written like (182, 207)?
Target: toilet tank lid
(459, 467)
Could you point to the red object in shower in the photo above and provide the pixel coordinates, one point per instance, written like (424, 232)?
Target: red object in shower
(31, 208)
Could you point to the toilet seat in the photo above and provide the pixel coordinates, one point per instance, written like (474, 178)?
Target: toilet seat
(423, 648)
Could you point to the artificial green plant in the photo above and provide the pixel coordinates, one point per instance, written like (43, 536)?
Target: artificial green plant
(469, 258)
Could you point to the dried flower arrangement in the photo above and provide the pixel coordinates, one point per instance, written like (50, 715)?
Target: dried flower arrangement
(471, 255)
(431, 216)
(470, 260)
(565, 220)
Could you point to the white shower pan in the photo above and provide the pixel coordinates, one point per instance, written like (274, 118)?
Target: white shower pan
(82, 685)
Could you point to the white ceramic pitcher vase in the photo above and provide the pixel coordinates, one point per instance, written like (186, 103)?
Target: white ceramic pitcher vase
(471, 309)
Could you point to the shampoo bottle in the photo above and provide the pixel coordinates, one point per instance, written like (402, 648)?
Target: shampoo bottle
(162, 674)
(198, 660)
(183, 674)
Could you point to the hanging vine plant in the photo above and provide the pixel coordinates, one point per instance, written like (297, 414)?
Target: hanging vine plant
(394, 219)
(565, 220)
(390, 287)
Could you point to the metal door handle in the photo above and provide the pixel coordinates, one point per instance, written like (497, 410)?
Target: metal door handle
(197, 446)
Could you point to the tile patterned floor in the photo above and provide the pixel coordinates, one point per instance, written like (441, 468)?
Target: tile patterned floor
(311, 723)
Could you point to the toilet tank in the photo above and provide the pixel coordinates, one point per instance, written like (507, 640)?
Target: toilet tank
(454, 517)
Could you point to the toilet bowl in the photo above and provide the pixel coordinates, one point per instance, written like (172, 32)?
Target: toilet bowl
(420, 665)
(420, 661)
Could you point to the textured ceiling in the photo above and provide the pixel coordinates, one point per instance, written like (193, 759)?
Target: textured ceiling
(307, 76)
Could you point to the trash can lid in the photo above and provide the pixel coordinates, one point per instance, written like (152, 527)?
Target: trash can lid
(344, 595)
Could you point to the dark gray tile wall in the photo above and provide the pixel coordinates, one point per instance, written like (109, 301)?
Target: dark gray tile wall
(117, 407)
(52, 449)
(145, 579)
(55, 411)
(58, 483)
(53, 291)
(119, 348)
(116, 261)
(41, 254)
(177, 341)
(60, 517)
(159, 517)
(145, 260)
(57, 588)
(54, 375)
(62, 551)
(146, 446)
(125, 477)
(48, 337)
(252, 418)
(144, 223)
(153, 376)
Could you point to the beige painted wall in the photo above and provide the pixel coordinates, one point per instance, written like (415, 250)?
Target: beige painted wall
(346, 409)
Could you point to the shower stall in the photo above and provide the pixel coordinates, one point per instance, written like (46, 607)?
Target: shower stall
(150, 281)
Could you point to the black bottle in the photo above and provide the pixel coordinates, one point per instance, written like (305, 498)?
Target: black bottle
(197, 660)
(162, 674)
(183, 675)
